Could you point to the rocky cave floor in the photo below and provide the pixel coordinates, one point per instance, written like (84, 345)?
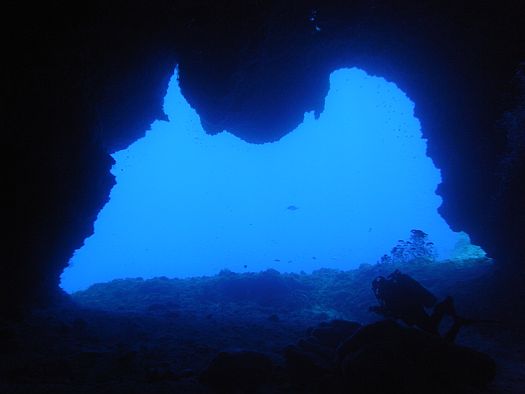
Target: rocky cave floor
(162, 335)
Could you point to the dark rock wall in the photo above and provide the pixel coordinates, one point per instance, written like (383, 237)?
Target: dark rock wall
(88, 80)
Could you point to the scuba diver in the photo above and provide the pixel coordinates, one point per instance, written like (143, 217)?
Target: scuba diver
(402, 297)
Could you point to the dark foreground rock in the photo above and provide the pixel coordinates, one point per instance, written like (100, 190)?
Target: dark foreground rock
(238, 371)
(225, 333)
(311, 361)
(384, 357)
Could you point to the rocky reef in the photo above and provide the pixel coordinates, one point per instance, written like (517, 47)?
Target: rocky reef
(265, 332)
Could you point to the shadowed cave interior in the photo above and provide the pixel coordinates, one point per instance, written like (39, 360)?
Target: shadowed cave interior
(264, 72)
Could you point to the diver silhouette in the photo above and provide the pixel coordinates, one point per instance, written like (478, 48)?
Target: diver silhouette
(402, 297)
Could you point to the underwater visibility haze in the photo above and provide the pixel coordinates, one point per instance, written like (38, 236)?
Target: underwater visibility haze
(336, 192)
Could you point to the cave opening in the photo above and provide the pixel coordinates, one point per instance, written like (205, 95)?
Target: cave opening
(340, 190)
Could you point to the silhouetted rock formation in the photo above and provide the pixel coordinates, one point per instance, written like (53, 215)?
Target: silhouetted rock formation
(384, 357)
(239, 371)
(387, 358)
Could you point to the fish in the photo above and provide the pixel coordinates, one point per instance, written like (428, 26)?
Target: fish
(292, 208)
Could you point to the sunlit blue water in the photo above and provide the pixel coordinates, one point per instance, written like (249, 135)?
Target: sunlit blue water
(336, 192)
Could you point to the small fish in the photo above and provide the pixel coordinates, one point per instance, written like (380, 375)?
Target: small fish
(277, 260)
(292, 208)
(245, 266)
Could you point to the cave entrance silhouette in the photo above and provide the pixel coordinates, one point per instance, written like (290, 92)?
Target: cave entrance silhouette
(338, 191)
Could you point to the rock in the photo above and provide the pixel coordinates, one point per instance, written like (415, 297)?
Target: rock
(304, 365)
(166, 373)
(386, 357)
(311, 360)
(238, 370)
(332, 333)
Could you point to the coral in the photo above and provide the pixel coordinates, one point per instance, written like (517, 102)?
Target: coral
(464, 250)
(418, 247)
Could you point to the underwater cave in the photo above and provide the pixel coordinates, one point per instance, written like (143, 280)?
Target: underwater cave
(266, 196)
(338, 191)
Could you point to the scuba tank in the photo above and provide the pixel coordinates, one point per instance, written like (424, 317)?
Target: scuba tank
(399, 290)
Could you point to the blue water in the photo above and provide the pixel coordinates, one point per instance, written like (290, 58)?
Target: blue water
(336, 192)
